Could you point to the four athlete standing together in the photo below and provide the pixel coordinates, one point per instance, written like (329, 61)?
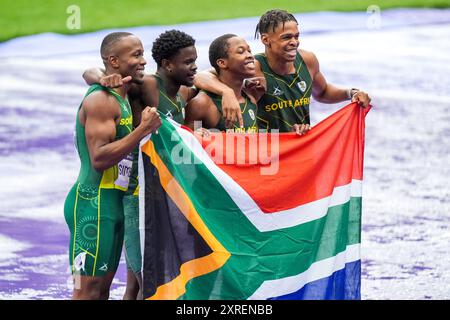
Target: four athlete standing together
(242, 93)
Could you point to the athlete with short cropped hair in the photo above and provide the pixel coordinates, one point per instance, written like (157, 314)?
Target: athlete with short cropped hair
(104, 141)
(233, 61)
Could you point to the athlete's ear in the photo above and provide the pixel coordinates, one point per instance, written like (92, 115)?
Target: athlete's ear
(222, 63)
(166, 65)
(114, 61)
(265, 39)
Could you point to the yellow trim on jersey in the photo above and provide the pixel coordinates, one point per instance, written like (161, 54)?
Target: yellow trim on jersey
(75, 228)
(98, 232)
(170, 100)
(136, 191)
(297, 70)
(264, 120)
(109, 176)
(84, 250)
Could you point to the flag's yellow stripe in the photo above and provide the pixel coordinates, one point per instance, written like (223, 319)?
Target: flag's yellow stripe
(194, 268)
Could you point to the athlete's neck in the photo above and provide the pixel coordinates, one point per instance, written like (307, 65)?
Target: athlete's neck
(123, 90)
(278, 65)
(233, 82)
(172, 87)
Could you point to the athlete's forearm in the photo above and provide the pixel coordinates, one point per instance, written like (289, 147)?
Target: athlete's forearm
(93, 75)
(207, 80)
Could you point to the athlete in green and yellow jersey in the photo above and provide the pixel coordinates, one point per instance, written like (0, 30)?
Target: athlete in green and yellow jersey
(293, 75)
(287, 98)
(104, 140)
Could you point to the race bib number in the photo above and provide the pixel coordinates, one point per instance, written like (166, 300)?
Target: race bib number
(124, 168)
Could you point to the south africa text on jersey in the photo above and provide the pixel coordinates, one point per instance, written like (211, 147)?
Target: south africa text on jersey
(287, 104)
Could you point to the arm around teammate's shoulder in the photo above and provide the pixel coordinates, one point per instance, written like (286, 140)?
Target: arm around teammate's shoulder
(97, 75)
(231, 110)
(149, 91)
(188, 93)
(93, 75)
(197, 110)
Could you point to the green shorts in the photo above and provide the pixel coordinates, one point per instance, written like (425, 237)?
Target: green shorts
(132, 241)
(96, 223)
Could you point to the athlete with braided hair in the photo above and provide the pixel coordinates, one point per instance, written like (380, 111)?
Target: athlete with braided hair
(292, 76)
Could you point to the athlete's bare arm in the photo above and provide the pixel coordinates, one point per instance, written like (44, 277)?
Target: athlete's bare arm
(201, 108)
(188, 93)
(149, 91)
(97, 75)
(325, 92)
(231, 110)
(99, 115)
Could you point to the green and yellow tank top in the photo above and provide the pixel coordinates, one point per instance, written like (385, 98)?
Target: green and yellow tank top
(248, 110)
(287, 99)
(116, 177)
(173, 110)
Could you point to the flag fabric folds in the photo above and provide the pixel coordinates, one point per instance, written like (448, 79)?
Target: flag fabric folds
(253, 216)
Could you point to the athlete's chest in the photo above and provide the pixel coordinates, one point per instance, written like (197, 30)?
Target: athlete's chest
(172, 108)
(291, 86)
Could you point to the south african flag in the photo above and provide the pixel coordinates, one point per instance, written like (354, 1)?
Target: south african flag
(253, 216)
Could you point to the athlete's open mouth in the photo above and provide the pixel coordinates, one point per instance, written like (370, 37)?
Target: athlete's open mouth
(140, 71)
(291, 52)
(250, 64)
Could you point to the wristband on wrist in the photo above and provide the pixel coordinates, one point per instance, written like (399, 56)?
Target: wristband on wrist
(351, 92)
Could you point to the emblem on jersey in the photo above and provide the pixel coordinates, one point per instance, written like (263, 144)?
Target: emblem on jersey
(169, 114)
(302, 86)
(252, 114)
(277, 92)
(104, 267)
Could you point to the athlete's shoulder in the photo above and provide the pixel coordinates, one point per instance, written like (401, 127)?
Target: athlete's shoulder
(306, 54)
(148, 91)
(310, 59)
(260, 60)
(202, 99)
(150, 81)
(101, 102)
(101, 95)
(259, 57)
(197, 108)
(188, 93)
